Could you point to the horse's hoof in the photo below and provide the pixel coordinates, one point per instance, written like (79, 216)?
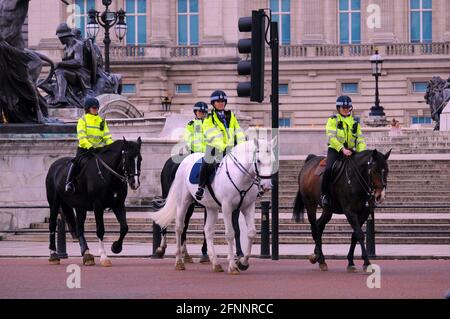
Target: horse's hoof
(313, 258)
(218, 268)
(204, 259)
(365, 267)
(54, 259)
(179, 265)
(116, 247)
(159, 253)
(105, 262)
(88, 260)
(188, 259)
(234, 271)
(241, 266)
(323, 267)
(352, 269)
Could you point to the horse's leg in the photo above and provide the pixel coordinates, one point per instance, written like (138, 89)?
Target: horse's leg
(121, 216)
(209, 234)
(321, 223)
(204, 259)
(186, 257)
(359, 234)
(88, 259)
(227, 212)
(98, 211)
(351, 265)
(249, 215)
(237, 232)
(311, 210)
(179, 226)
(161, 250)
(54, 208)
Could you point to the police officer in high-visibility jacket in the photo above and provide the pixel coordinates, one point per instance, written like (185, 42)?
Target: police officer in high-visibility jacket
(222, 132)
(193, 133)
(344, 137)
(92, 133)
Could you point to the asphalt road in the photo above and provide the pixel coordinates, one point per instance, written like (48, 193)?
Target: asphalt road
(265, 279)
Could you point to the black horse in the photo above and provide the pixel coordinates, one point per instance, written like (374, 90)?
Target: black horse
(101, 183)
(358, 183)
(167, 177)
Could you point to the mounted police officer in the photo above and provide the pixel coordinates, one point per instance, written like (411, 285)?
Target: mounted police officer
(344, 137)
(92, 133)
(221, 132)
(193, 134)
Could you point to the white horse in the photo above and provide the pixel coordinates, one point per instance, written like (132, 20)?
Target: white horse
(240, 177)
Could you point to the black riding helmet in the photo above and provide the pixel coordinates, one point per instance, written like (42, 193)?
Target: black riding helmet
(201, 106)
(218, 95)
(344, 101)
(90, 102)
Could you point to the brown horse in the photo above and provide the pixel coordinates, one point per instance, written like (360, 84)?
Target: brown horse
(358, 183)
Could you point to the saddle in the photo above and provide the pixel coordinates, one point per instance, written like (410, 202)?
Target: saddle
(194, 175)
(336, 171)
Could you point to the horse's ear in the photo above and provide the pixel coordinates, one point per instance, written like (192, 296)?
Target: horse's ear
(124, 141)
(139, 141)
(374, 153)
(388, 153)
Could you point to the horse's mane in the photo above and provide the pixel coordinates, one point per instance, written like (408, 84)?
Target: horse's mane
(114, 147)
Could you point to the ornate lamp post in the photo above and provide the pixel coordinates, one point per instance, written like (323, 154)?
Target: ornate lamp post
(166, 102)
(107, 20)
(377, 62)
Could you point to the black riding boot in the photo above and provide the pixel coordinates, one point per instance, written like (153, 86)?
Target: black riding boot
(70, 187)
(205, 172)
(325, 187)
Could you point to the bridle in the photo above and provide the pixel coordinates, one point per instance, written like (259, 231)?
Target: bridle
(256, 180)
(123, 178)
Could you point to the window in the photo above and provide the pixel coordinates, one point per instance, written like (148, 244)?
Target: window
(183, 88)
(281, 13)
(136, 19)
(350, 88)
(188, 22)
(420, 20)
(350, 21)
(129, 88)
(419, 87)
(421, 120)
(283, 89)
(284, 122)
(82, 8)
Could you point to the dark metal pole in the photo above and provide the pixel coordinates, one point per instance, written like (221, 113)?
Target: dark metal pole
(275, 137)
(107, 42)
(377, 96)
(61, 249)
(265, 230)
(156, 238)
(370, 235)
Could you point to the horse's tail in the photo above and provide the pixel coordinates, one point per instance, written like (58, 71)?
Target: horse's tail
(299, 208)
(167, 214)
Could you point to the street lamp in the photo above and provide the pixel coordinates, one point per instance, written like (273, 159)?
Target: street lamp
(107, 20)
(377, 62)
(166, 102)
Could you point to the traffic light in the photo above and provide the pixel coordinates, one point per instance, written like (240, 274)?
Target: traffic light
(255, 46)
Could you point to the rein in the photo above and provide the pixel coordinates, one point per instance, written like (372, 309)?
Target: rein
(123, 178)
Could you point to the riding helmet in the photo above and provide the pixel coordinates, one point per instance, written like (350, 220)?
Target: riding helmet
(90, 102)
(344, 100)
(201, 106)
(218, 95)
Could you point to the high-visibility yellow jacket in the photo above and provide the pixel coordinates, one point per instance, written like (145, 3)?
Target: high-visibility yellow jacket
(92, 131)
(194, 137)
(345, 132)
(219, 136)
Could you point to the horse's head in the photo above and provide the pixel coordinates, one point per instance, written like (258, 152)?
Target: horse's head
(378, 172)
(263, 162)
(131, 161)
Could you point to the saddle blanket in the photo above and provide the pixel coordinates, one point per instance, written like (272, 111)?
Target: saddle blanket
(194, 176)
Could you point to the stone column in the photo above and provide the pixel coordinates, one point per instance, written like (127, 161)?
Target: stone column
(160, 26)
(212, 19)
(445, 16)
(312, 13)
(401, 28)
(44, 16)
(330, 22)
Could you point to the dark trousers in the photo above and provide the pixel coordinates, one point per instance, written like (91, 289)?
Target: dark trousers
(78, 161)
(208, 165)
(332, 157)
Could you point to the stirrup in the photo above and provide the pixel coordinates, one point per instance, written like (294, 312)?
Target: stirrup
(199, 194)
(324, 201)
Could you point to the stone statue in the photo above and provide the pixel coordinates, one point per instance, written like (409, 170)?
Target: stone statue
(20, 101)
(437, 97)
(80, 73)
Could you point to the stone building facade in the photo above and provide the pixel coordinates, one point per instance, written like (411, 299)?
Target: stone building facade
(185, 49)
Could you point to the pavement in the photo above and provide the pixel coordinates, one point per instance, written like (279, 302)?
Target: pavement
(39, 249)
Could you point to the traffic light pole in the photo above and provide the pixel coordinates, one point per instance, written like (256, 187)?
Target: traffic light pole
(274, 46)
